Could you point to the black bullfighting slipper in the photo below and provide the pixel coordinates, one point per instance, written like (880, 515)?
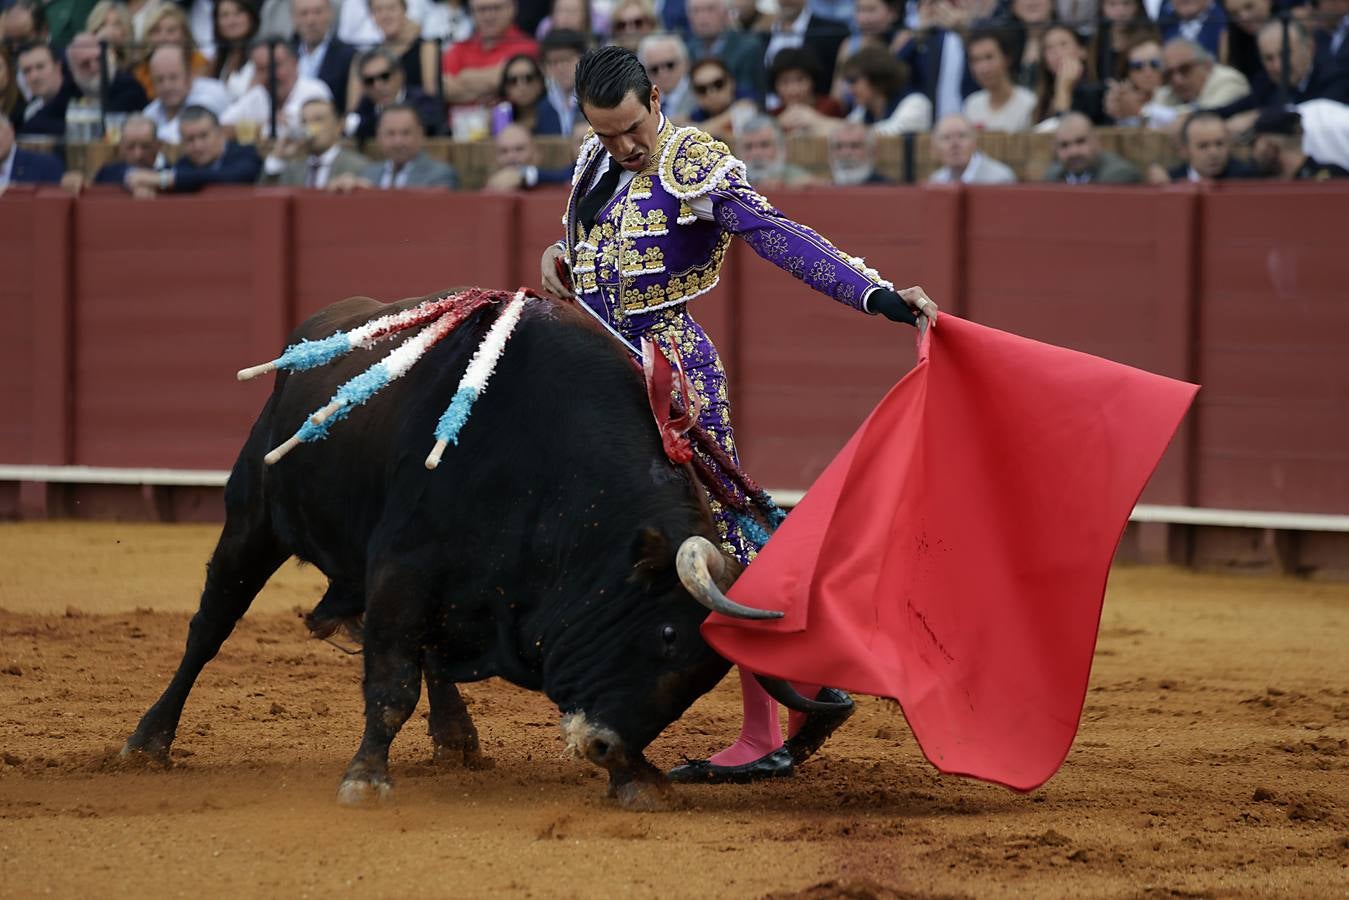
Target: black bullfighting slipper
(818, 726)
(777, 764)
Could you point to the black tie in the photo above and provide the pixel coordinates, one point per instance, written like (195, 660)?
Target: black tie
(588, 210)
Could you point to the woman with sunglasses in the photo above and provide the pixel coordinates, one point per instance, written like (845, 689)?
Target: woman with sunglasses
(715, 107)
(1141, 67)
(632, 21)
(522, 92)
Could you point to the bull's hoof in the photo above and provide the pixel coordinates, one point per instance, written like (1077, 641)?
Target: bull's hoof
(645, 796)
(358, 792)
(150, 755)
(458, 756)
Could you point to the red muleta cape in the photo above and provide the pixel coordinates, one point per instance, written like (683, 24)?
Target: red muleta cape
(954, 555)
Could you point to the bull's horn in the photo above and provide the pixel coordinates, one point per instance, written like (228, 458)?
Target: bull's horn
(783, 692)
(696, 556)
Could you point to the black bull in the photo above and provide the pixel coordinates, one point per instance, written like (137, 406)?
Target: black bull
(543, 550)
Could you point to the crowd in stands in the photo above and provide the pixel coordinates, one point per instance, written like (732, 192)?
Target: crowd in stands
(343, 95)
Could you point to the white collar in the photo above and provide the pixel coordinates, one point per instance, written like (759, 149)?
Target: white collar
(327, 157)
(799, 24)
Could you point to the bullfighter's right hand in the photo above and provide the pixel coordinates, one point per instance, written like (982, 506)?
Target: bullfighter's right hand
(548, 276)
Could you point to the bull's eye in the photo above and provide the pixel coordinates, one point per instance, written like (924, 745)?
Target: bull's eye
(668, 634)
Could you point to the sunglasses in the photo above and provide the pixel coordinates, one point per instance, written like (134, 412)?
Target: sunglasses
(1182, 70)
(708, 87)
(369, 80)
(632, 24)
(1137, 65)
(657, 68)
(525, 78)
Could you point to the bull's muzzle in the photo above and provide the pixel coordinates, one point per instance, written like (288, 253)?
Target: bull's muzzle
(587, 740)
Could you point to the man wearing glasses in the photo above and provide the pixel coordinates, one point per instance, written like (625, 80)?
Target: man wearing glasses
(1194, 80)
(471, 68)
(652, 210)
(383, 84)
(667, 65)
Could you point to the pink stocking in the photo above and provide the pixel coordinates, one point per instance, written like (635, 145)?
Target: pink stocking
(795, 719)
(760, 733)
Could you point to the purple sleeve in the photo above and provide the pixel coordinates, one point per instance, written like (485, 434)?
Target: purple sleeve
(792, 247)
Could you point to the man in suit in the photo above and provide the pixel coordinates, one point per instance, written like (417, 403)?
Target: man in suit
(1311, 76)
(667, 65)
(852, 155)
(404, 164)
(797, 26)
(176, 88)
(1332, 37)
(138, 148)
(318, 51)
(23, 166)
(83, 60)
(936, 57)
(518, 163)
(51, 93)
(1079, 159)
(317, 158)
(383, 84)
(1207, 150)
(559, 51)
(293, 90)
(208, 158)
(953, 143)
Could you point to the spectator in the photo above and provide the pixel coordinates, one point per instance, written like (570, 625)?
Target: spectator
(167, 24)
(716, 110)
(1201, 21)
(852, 155)
(748, 18)
(45, 113)
(999, 104)
(315, 158)
(877, 81)
(1207, 151)
(801, 107)
(208, 158)
(9, 87)
(936, 56)
(137, 148)
(633, 20)
(666, 61)
(1332, 31)
(1123, 21)
(1067, 82)
(321, 54)
(525, 100)
(712, 36)
(567, 15)
(1246, 18)
(1309, 78)
(23, 22)
(19, 166)
(1027, 22)
(873, 26)
(383, 85)
(405, 164)
(176, 89)
(1278, 151)
(517, 159)
(402, 37)
(1194, 80)
(953, 143)
(1079, 159)
(763, 148)
(292, 91)
(83, 59)
(559, 52)
(471, 69)
(796, 27)
(236, 27)
(110, 22)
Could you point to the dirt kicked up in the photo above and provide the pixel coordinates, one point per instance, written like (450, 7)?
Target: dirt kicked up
(1212, 761)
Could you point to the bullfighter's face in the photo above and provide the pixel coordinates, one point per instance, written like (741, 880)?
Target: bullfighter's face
(629, 130)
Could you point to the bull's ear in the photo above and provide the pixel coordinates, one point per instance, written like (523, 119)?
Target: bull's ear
(652, 555)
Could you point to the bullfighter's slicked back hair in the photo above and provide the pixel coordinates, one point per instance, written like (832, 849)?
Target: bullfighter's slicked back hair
(606, 75)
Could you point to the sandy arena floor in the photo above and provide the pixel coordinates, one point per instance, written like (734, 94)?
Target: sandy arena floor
(1213, 761)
